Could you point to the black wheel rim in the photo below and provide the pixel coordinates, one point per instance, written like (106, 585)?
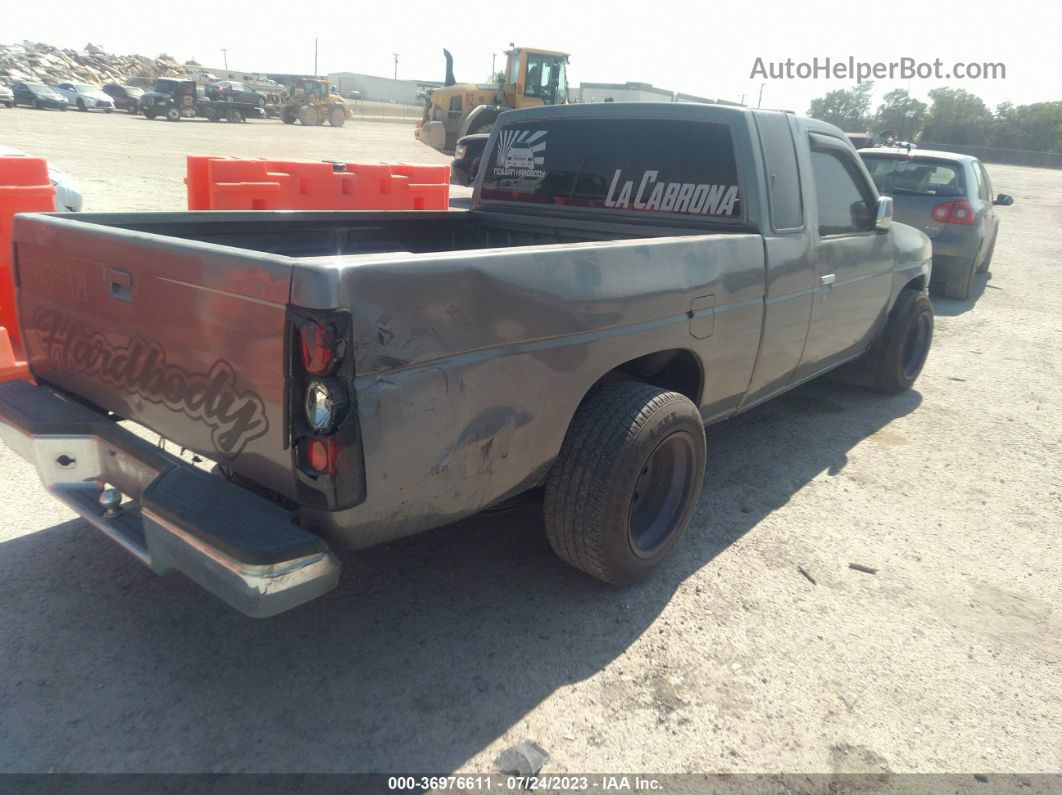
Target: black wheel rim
(916, 346)
(661, 494)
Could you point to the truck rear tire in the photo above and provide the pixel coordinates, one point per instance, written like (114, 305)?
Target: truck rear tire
(233, 116)
(288, 115)
(895, 360)
(626, 482)
(308, 116)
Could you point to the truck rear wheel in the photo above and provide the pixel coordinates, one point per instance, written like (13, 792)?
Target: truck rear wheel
(896, 358)
(337, 117)
(626, 482)
(233, 115)
(308, 115)
(288, 115)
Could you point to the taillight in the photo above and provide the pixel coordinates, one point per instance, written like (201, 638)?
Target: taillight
(325, 435)
(958, 212)
(317, 345)
(322, 453)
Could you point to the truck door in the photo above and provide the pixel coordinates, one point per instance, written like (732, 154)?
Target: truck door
(790, 269)
(854, 262)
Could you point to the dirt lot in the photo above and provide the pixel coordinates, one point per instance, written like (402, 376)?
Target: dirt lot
(437, 652)
(125, 162)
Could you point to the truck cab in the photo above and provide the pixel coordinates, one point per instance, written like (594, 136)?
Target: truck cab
(172, 98)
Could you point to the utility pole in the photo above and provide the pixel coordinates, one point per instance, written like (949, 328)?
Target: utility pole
(225, 55)
(315, 56)
(396, 64)
(760, 100)
(493, 55)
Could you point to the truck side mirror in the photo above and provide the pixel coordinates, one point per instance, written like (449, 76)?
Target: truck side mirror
(883, 216)
(1004, 199)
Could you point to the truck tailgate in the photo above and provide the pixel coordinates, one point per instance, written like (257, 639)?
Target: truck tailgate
(184, 337)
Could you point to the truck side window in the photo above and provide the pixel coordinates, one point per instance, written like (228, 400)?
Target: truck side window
(843, 207)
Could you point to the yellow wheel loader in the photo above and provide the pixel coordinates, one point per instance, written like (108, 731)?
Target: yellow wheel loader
(312, 102)
(532, 78)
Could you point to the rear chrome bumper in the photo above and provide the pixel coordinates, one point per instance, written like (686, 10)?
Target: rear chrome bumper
(237, 545)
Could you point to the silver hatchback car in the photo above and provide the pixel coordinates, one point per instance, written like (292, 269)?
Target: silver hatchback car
(947, 196)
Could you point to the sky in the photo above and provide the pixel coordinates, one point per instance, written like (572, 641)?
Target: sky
(704, 48)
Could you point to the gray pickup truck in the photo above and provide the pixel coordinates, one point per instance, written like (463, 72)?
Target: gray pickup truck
(627, 274)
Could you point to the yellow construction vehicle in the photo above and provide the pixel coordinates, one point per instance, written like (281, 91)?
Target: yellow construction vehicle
(532, 78)
(312, 102)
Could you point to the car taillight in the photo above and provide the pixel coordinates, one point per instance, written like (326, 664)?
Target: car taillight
(317, 346)
(957, 212)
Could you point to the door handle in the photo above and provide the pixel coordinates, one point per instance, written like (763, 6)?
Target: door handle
(827, 279)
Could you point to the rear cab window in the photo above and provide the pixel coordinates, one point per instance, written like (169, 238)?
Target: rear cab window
(631, 166)
(900, 175)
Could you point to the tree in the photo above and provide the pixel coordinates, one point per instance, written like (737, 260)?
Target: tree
(1037, 127)
(848, 108)
(957, 117)
(900, 115)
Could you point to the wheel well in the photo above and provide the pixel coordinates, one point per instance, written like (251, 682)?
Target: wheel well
(918, 283)
(677, 370)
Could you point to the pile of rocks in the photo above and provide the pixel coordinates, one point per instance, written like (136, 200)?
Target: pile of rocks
(42, 63)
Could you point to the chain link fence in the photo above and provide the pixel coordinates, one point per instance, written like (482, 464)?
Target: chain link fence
(995, 154)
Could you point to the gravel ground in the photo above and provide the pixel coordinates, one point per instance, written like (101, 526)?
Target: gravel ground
(437, 652)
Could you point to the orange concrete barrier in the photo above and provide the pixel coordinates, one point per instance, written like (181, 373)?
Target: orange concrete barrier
(216, 183)
(24, 188)
(10, 366)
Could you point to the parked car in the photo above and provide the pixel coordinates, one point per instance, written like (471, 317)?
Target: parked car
(6, 97)
(38, 95)
(232, 91)
(67, 191)
(947, 196)
(84, 96)
(468, 154)
(125, 98)
(627, 274)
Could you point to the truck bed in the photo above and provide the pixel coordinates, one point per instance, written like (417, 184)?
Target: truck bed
(319, 234)
(181, 322)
